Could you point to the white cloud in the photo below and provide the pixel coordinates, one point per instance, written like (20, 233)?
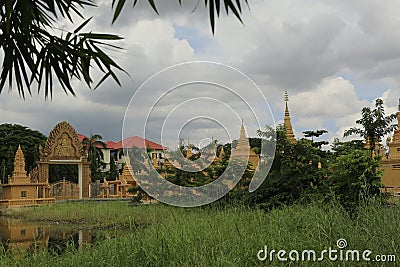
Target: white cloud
(325, 53)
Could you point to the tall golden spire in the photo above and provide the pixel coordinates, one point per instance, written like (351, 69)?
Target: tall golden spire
(286, 121)
(19, 174)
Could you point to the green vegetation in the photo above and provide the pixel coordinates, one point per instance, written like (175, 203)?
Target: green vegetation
(375, 125)
(60, 172)
(309, 200)
(93, 146)
(12, 135)
(37, 52)
(215, 237)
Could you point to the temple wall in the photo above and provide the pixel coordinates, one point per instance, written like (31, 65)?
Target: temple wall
(15, 192)
(391, 173)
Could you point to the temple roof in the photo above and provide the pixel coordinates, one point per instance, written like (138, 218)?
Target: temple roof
(134, 141)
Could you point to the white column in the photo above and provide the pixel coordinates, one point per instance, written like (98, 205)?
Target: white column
(80, 182)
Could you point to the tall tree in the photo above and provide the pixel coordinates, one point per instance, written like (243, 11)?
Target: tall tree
(93, 146)
(298, 172)
(12, 135)
(375, 125)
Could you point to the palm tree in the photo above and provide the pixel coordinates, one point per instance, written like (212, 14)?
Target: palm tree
(37, 52)
(93, 146)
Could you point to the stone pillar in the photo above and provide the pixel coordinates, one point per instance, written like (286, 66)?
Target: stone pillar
(43, 168)
(85, 180)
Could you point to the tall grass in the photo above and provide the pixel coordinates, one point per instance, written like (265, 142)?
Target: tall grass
(210, 237)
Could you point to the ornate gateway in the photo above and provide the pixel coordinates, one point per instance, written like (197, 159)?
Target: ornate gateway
(63, 147)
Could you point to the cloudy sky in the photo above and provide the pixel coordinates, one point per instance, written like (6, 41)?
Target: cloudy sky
(333, 58)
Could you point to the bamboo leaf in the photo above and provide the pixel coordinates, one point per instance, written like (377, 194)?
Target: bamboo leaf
(82, 25)
(118, 9)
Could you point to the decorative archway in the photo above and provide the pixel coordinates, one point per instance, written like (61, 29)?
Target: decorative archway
(63, 147)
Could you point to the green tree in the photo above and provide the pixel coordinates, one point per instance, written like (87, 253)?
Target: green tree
(316, 134)
(63, 171)
(3, 171)
(93, 146)
(341, 148)
(12, 135)
(354, 178)
(113, 171)
(255, 144)
(37, 53)
(375, 125)
(298, 173)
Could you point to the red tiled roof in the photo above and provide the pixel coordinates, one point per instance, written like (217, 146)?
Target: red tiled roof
(111, 144)
(81, 137)
(136, 141)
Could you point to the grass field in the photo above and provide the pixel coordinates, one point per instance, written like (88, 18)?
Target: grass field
(159, 235)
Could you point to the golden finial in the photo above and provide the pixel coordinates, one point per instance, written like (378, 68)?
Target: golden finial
(286, 98)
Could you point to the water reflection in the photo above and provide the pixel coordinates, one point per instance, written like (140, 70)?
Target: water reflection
(19, 236)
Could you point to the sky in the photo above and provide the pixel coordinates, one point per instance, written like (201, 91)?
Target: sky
(332, 57)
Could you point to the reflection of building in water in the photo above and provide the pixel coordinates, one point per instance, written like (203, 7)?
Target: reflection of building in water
(21, 190)
(18, 237)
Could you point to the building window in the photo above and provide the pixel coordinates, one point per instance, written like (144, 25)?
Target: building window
(23, 232)
(23, 193)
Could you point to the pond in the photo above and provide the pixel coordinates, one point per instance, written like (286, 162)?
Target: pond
(18, 236)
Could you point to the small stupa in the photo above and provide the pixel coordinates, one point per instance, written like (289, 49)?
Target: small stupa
(20, 190)
(19, 175)
(243, 150)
